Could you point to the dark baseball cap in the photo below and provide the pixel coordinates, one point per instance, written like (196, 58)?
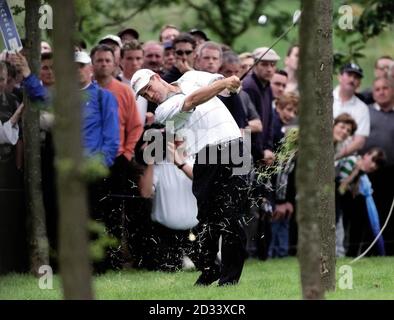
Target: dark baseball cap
(199, 33)
(130, 31)
(352, 67)
(168, 45)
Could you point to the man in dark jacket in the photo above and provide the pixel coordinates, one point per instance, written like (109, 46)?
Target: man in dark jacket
(257, 85)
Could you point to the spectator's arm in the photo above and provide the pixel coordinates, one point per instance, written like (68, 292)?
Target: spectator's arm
(34, 89)
(145, 182)
(110, 128)
(255, 125)
(351, 148)
(133, 127)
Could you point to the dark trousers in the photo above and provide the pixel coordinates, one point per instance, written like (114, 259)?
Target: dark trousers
(163, 248)
(222, 202)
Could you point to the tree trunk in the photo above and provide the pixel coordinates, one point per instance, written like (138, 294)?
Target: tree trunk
(39, 249)
(315, 168)
(74, 261)
(326, 174)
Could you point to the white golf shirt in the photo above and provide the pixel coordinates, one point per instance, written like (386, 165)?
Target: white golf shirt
(209, 123)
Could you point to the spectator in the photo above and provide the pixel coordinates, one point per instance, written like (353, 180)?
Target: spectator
(132, 58)
(381, 70)
(353, 190)
(120, 181)
(153, 56)
(116, 44)
(174, 211)
(345, 101)
(278, 84)
(247, 61)
(230, 67)
(257, 85)
(45, 47)
(199, 36)
(9, 130)
(168, 33)
(209, 57)
(344, 127)
(184, 46)
(284, 200)
(381, 135)
(291, 67)
(128, 35)
(169, 56)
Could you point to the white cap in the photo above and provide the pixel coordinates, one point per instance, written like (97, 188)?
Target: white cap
(271, 55)
(140, 79)
(113, 38)
(82, 57)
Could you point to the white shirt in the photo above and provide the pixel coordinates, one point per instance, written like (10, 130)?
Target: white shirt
(8, 133)
(209, 123)
(174, 204)
(356, 108)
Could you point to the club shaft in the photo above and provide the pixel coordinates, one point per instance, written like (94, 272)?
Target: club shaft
(265, 52)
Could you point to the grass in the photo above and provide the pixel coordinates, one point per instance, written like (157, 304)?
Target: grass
(273, 279)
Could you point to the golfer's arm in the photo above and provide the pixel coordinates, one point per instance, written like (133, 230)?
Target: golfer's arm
(204, 94)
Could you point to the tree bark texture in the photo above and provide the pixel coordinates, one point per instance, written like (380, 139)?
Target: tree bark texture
(75, 268)
(39, 248)
(315, 166)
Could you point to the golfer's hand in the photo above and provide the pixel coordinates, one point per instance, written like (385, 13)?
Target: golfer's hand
(233, 84)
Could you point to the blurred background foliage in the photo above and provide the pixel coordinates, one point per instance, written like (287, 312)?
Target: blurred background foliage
(234, 22)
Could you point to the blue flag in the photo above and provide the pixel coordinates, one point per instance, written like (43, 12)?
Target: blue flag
(366, 191)
(8, 28)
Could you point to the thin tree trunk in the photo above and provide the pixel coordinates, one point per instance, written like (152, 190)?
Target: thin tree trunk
(74, 261)
(326, 176)
(315, 173)
(39, 248)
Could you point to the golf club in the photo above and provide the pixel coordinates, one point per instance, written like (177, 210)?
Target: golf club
(296, 18)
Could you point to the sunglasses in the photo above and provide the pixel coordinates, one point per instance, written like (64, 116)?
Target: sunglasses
(181, 52)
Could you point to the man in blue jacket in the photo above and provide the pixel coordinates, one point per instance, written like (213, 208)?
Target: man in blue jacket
(100, 133)
(100, 108)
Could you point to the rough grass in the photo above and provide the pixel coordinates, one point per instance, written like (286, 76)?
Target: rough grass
(273, 279)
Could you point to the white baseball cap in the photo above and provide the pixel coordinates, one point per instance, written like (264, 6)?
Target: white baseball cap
(140, 79)
(271, 55)
(113, 38)
(82, 57)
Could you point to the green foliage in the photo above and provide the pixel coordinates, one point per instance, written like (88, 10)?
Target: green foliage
(228, 19)
(287, 150)
(376, 17)
(371, 18)
(93, 168)
(103, 241)
(17, 9)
